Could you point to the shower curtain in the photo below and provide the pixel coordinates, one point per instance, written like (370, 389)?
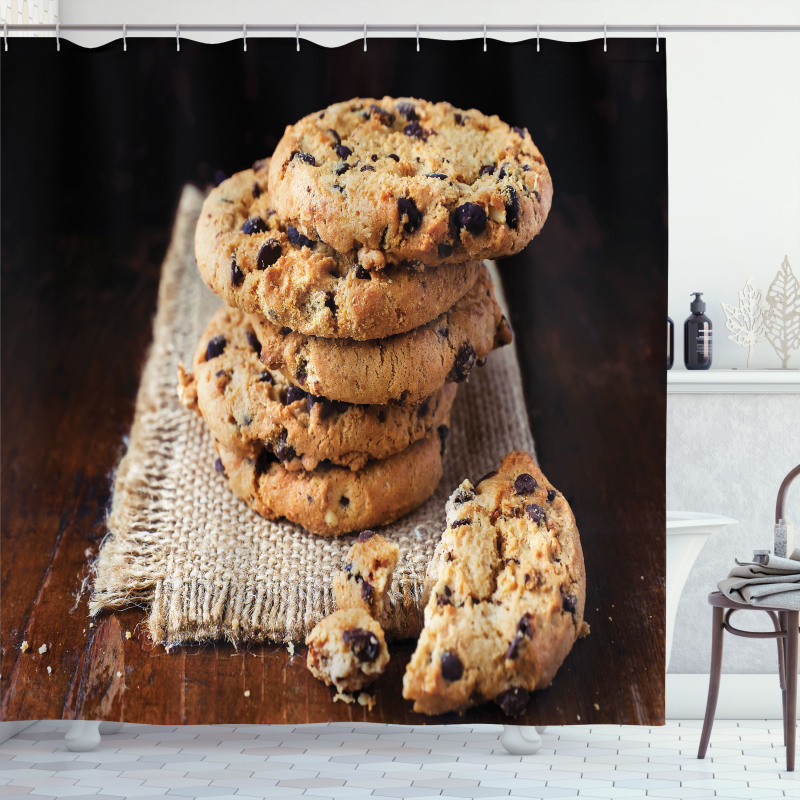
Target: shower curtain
(136, 585)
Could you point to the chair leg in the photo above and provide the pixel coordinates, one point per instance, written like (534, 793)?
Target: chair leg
(790, 717)
(713, 680)
(781, 641)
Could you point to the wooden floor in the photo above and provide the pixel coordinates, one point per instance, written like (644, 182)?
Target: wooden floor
(76, 322)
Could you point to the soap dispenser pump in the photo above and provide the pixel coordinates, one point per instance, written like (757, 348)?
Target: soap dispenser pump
(697, 336)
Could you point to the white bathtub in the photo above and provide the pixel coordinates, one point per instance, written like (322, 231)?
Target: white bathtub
(687, 532)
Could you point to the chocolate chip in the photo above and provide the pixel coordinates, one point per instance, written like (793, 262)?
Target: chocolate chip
(459, 120)
(458, 523)
(330, 302)
(300, 373)
(268, 254)
(256, 190)
(215, 347)
(464, 362)
(367, 592)
(463, 496)
(408, 110)
(341, 170)
(252, 340)
(536, 513)
(487, 476)
(266, 377)
(305, 157)
(381, 416)
(386, 117)
(364, 644)
(218, 466)
(367, 168)
(414, 129)
(512, 701)
(440, 175)
(265, 458)
(365, 536)
(487, 170)
(293, 394)
(394, 156)
(570, 603)
(297, 238)
(551, 494)
(452, 668)
(443, 332)
(524, 630)
(285, 331)
(501, 174)
(525, 484)
(472, 217)
(344, 502)
(444, 433)
(373, 157)
(520, 131)
(512, 208)
(283, 451)
(536, 195)
(512, 561)
(254, 225)
(237, 276)
(408, 208)
(444, 250)
(343, 151)
(335, 135)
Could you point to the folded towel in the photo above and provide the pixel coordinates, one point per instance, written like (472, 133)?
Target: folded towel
(774, 584)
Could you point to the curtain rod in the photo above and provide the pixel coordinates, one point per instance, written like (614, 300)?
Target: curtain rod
(295, 28)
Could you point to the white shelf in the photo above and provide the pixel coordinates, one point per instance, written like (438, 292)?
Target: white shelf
(733, 381)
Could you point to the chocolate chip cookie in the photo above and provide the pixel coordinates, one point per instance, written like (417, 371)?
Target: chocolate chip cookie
(400, 369)
(347, 649)
(248, 407)
(367, 575)
(255, 262)
(402, 178)
(331, 500)
(505, 594)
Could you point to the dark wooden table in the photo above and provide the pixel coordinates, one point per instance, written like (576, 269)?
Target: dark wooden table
(74, 336)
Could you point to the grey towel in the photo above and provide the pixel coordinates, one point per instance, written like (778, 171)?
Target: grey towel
(775, 584)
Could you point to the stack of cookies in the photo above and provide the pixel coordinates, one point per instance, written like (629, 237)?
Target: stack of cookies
(351, 264)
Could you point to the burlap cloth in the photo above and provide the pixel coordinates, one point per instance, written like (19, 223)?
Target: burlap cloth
(209, 567)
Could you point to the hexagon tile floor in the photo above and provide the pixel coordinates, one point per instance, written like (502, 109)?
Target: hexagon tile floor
(746, 760)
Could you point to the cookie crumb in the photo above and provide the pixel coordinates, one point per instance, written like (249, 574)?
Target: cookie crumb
(344, 697)
(597, 706)
(49, 670)
(43, 649)
(119, 674)
(290, 648)
(23, 647)
(247, 693)
(367, 700)
(127, 634)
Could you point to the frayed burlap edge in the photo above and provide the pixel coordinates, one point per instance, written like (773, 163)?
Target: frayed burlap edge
(206, 566)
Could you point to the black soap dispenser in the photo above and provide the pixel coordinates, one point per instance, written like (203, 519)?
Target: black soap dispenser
(697, 336)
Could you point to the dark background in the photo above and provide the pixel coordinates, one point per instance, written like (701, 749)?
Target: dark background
(96, 145)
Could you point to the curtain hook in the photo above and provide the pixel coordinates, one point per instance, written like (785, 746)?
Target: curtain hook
(537, 37)
(5, 34)
(418, 37)
(484, 37)
(605, 41)
(244, 36)
(124, 38)
(178, 37)
(365, 37)
(657, 42)
(297, 35)
(58, 36)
